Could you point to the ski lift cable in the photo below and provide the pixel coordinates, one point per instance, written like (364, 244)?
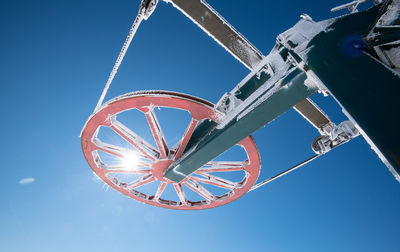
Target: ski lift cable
(295, 167)
(256, 186)
(146, 9)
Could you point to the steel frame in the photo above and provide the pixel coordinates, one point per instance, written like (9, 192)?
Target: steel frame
(350, 58)
(295, 69)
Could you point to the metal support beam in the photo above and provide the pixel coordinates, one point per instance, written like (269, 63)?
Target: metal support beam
(282, 95)
(210, 21)
(309, 110)
(220, 30)
(366, 88)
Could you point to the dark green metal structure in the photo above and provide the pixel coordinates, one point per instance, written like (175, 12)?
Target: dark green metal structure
(350, 57)
(344, 60)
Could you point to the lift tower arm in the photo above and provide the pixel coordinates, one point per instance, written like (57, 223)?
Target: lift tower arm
(211, 22)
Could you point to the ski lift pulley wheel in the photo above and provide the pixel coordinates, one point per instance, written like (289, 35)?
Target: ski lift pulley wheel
(154, 161)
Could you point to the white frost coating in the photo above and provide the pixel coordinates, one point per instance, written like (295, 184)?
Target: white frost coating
(275, 87)
(246, 47)
(394, 55)
(245, 51)
(388, 18)
(391, 15)
(259, 68)
(379, 153)
(217, 116)
(227, 103)
(352, 6)
(390, 57)
(121, 56)
(313, 81)
(334, 135)
(296, 38)
(301, 34)
(278, 66)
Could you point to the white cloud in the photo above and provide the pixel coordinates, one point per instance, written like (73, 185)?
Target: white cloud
(26, 181)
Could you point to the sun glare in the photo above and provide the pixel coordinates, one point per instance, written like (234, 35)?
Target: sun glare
(130, 161)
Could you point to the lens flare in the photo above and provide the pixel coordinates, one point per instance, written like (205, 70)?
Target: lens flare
(130, 161)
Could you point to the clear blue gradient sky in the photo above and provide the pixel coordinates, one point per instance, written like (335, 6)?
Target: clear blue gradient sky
(56, 57)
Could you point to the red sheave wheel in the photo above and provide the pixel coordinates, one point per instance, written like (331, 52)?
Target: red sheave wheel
(194, 192)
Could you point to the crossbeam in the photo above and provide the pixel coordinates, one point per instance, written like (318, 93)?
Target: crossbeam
(305, 52)
(281, 92)
(211, 22)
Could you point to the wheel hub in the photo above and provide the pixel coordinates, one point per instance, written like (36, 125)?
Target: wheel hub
(158, 168)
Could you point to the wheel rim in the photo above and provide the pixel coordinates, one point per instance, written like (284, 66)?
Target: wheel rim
(153, 160)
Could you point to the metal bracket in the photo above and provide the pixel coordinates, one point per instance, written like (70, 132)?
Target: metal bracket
(352, 6)
(235, 43)
(334, 136)
(148, 6)
(384, 37)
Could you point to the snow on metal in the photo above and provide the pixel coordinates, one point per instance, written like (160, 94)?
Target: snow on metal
(153, 161)
(211, 22)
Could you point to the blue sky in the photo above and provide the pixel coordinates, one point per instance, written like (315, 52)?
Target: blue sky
(55, 59)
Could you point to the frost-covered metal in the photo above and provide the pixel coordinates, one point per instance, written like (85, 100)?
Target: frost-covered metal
(334, 136)
(147, 7)
(355, 58)
(353, 6)
(153, 161)
(385, 37)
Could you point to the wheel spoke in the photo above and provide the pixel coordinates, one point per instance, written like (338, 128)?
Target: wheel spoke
(122, 170)
(139, 143)
(181, 193)
(185, 139)
(160, 190)
(223, 166)
(157, 133)
(215, 181)
(110, 148)
(141, 181)
(117, 151)
(138, 165)
(196, 187)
